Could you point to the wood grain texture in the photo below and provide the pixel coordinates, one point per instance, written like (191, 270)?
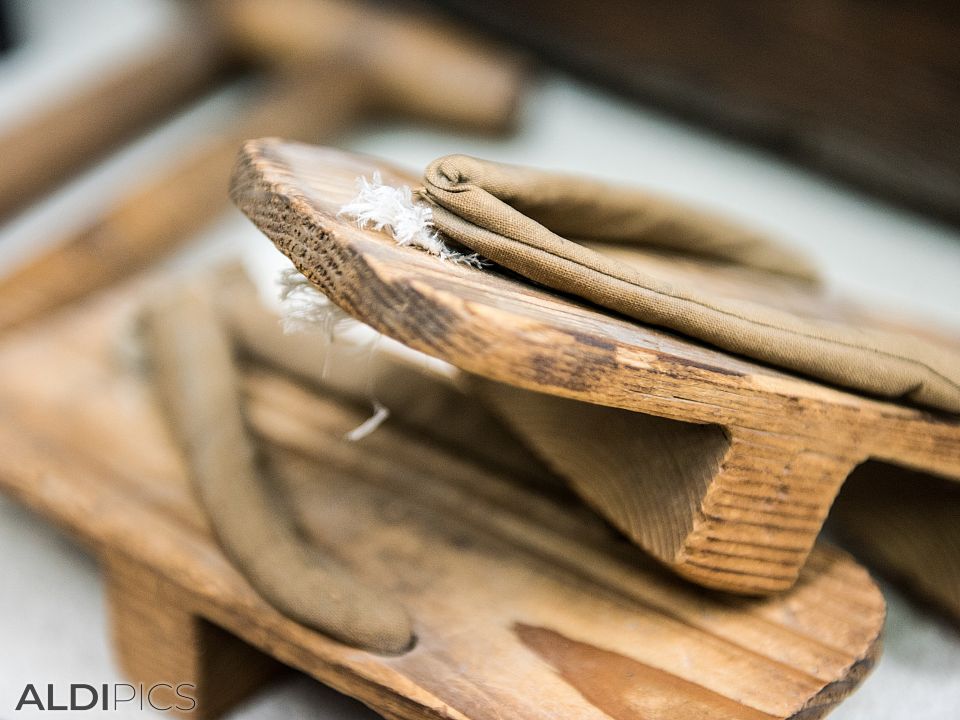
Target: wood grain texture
(525, 606)
(415, 394)
(750, 519)
(907, 526)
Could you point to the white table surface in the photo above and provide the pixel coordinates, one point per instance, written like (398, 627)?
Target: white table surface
(52, 611)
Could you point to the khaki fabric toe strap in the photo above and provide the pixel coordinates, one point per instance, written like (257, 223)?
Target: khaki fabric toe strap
(527, 220)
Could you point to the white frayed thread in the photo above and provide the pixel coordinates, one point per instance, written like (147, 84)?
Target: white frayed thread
(306, 309)
(380, 414)
(384, 207)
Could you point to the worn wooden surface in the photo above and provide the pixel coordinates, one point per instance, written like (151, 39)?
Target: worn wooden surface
(412, 391)
(774, 448)
(525, 606)
(906, 525)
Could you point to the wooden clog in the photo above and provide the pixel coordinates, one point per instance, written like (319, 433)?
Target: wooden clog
(525, 606)
(755, 455)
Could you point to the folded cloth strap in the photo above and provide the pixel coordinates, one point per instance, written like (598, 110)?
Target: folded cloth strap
(525, 220)
(535, 208)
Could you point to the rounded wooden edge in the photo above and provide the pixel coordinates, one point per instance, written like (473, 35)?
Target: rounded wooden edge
(832, 694)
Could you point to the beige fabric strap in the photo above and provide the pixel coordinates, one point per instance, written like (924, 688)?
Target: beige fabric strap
(197, 384)
(528, 220)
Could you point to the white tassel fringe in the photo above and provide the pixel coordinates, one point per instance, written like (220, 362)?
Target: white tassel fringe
(307, 309)
(383, 207)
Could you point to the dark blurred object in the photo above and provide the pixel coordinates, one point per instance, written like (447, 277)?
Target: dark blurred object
(865, 89)
(6, 27)
(918, 518)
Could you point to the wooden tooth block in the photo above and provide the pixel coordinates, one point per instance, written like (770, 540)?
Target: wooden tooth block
(741, 461)
(179, 659)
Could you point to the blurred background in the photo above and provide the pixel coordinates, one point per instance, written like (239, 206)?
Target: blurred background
(830, 123)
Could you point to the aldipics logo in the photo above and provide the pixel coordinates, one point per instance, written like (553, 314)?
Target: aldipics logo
(160, 696)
